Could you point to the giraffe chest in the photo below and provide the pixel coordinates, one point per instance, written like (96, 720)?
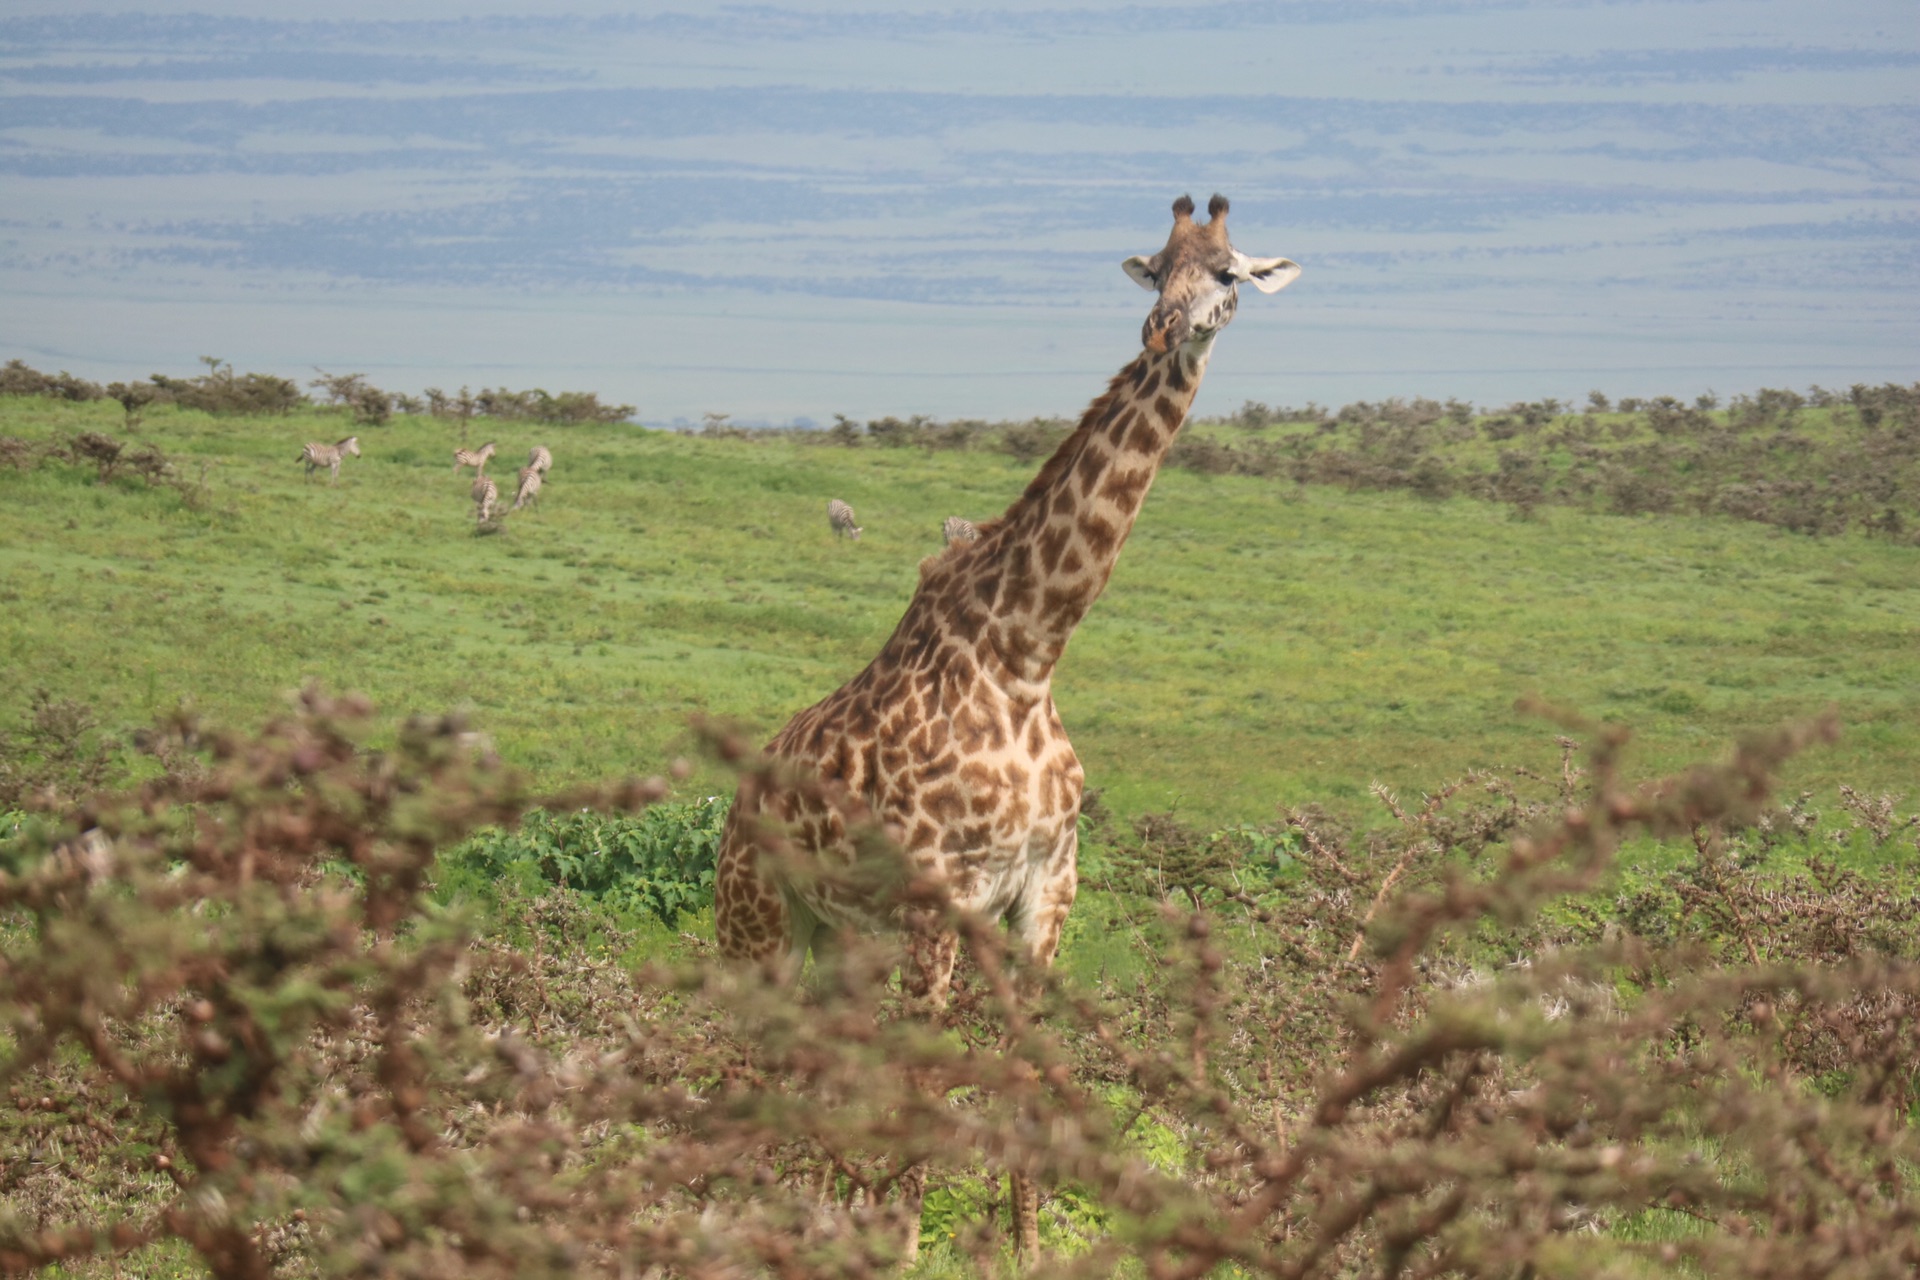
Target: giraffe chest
(994, 816)
(981, 791)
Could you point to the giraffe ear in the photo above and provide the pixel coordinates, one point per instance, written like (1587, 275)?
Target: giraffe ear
(1268, 275)
(1140, 271)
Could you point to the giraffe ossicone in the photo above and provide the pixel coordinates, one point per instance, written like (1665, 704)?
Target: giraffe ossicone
(949, 738)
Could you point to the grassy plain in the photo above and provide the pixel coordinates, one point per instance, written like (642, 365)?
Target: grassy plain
(1261, 644)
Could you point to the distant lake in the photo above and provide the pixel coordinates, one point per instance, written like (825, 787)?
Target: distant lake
(789, 212)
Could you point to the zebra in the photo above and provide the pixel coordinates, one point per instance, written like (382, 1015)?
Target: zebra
(958, 529)
(540, 460)
(529, 491)
(840, 516)
(485, 495)
(477, 459)
(319, 455)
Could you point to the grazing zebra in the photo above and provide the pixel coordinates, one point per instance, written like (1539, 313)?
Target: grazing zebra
(475, 458)
(319, 455)
(840, 516)
(958, 529)
(529, 491)
(540, 460)
(485, 494)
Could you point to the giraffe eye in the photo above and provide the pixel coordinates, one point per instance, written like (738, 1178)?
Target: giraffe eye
(1224, 277)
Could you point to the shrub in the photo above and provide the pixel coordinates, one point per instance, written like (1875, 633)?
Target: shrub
(1519, 479)
(1890, 405)
(1536, 413)
(369, 405)
(1256, 416)
(461, 408)
(59, 755)
(17, 379)
(1759, 461)
(91, 448)
(1668, 417)
(244, 1028)
(565, 408)
(109, 457)
(1631, 492)
(219, 391)
(1202, 454)
(1032, 440)
(897, 433)
(209, 988)
(1767, 407)
(133, 397)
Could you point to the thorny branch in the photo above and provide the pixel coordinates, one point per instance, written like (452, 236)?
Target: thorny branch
(242, 1003)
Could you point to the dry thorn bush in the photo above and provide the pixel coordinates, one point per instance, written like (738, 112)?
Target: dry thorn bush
(236, 1021)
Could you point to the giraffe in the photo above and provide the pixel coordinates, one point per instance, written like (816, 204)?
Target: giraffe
(949, 737)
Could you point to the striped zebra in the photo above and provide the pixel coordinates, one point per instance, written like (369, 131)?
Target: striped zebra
(475, 458)
(540, 460)
(840, 516)
(485, 494)
(318, 455)
(529, 491)
(958, 529)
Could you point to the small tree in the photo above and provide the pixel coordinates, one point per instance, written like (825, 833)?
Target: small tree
(460, 408)
(134, 397)
(370, 406)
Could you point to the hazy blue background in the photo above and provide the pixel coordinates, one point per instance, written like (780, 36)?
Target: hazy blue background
(796, 209)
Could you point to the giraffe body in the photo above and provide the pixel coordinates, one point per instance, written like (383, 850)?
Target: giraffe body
(950, 738)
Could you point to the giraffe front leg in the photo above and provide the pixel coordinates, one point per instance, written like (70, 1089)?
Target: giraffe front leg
(1043, 917)
(927, 975)
(1038, 928)
(928, 972)
(751, 916)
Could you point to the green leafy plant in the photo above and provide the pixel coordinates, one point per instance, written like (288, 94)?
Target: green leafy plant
(657, 863)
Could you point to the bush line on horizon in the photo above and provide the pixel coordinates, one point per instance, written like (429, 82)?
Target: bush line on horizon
(1818, 463)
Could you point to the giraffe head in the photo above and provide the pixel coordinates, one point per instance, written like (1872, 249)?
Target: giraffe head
(1198, 276)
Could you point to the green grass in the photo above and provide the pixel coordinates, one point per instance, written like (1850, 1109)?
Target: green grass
(1261, 644)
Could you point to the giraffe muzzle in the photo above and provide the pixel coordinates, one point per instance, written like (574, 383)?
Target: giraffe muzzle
(1162, 333)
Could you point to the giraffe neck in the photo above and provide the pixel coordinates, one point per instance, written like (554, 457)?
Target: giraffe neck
(1059, 541)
